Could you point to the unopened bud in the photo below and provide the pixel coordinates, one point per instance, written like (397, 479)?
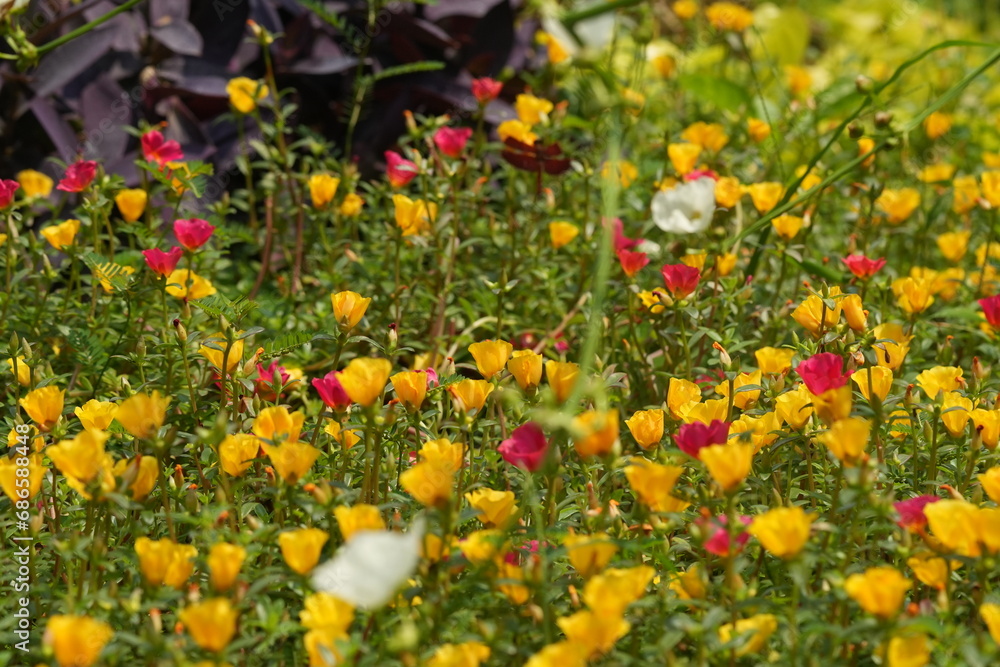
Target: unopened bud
(883, 118)
(864, 85)
(182, 334)
(855, 131)
(979, 371)
(727, 361)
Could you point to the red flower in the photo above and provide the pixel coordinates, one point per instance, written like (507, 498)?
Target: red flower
(162, 262)
(691, 438)
(681, 280)
(265, 380)
(451, 140)
(991, 308)
(718, 542)
(7, 189)
(331, 391)
(399, 170)
(823, 372)
(632, 262)
(863, 267)
(486, 89)
(78, 176)
(193, 233)
(911, 512)
(156, 149)
(526, 447)
(701, 173)
(623, 242)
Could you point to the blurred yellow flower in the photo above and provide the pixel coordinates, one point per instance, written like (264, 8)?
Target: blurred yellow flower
(188, 285)
(76, 641)
(131, 203)
(44, 406)
(211, 623)
(710, 136)
(244, 93)
(357, 518)
(301, 548)
(495, 507)
(898, 205)
(879, 590)
(596, 432)
(757, 630)
(589, 554)
(877, 380)
(937, 124)
(561, 233)
(783, 531)
(365, 378)
(34, 183)
(562, 376)
(322, 189)
(164, 562)
(765, 196)
(532, 110)
(62, 235)
(684, 157)
(224, 563)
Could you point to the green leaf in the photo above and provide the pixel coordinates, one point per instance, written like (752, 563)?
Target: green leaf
(410, 68)
(784, 38)
(714, 90)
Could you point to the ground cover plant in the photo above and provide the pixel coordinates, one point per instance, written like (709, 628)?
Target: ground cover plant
(675, 347)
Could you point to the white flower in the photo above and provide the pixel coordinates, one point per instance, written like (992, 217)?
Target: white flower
(370, 568)
(687, 208)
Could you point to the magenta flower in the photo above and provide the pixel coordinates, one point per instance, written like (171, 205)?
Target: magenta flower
(632, 262)
(719, 542)
(7, 189)
(823, 372)
(451, 140)
(486, 89)
(162, 263)
(911, 512)
(701, 173)
(691, 438)
(862, 267)
(156, 149)
(681, 280)
(265, 379)
(526, 447)
(331, 391)
(78, 176)
(991, 309)
(399, 170)
(623, 242)
(193, 233)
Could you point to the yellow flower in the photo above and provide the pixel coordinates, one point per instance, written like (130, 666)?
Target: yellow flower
(445, 451)
(236, 453)
(893, 347)
(689, 585)
(759, 130)
(795, 407)
(991, 187)
(430, 482)
(937, 173)
(131, 203)
(215, 348)
(710, 136)
(761, 430)
(847, 439)
(646, 426)
(556, 51)
(787, 226)
(783, 531)
(990, 481)
(351, 206)
(526, 367)
(413, 216)
(322, 188)
(937, 124)
(765, 196)
(728, 464)
(877, 379)
(188, 285)
(276, 424)
(224, 563)
(799, 79)
(96, 415)
(773, 360)
(561, 233)
(142, 415)
(559, 654)
(469, 654)
(964, 528)
(244, 93)
(931, 569)
(44, 405)
(211, 623)
(953, 245)
(685, 9)
(301, 548)
(61, 236)
(939, 379)
(589, 554)
(326, 612)
(990, 614)
(866, 146)
(706, 412)
(815, 315)
(9, 477)
(481, 546)
(142, 473)
(23, 371)
(410, 388)
(349, 308)
(653, 484)
(364, 379)
(596, 432)
(515, 129)
(357, 518)
(516, 593)
(81, 457)
(495, 507)
(728, 191)
(595, 632)
(164, 562)
(987, 422)
(611, 592)
(292, 460)
(742, 399)
(469, 394)
(914, 295)
(34, 183)
(899, 423)
(321, 646)
(879, 590)
(491, 356)
(898, 205)
(684, 157)
(562, 376)
(623, 170)
(347, 438)
(834, 404)
(725, 263)
(757, 630)
(651, 300)
(955, 410)
(680, 393)
(76, 641)
(531, 110)
(965, 195)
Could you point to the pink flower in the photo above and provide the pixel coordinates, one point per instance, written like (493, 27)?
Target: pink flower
(7, 189)
(331, 392)
(991, 308)
(823, 372)
(681, 280)
(399, 170)
(193, 233)
(632, 262)
(155, 149)
(526, 447)
(486, 89)
(863, 267)
(623, 242)
(691, 438)
(451, 140)
(701, 173)
(265, 380)
(162, 263)
(911, 512)
(432, 378)
(718, 542)
(78, 176)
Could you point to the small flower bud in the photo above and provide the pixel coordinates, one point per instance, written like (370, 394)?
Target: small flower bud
(864, 85)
